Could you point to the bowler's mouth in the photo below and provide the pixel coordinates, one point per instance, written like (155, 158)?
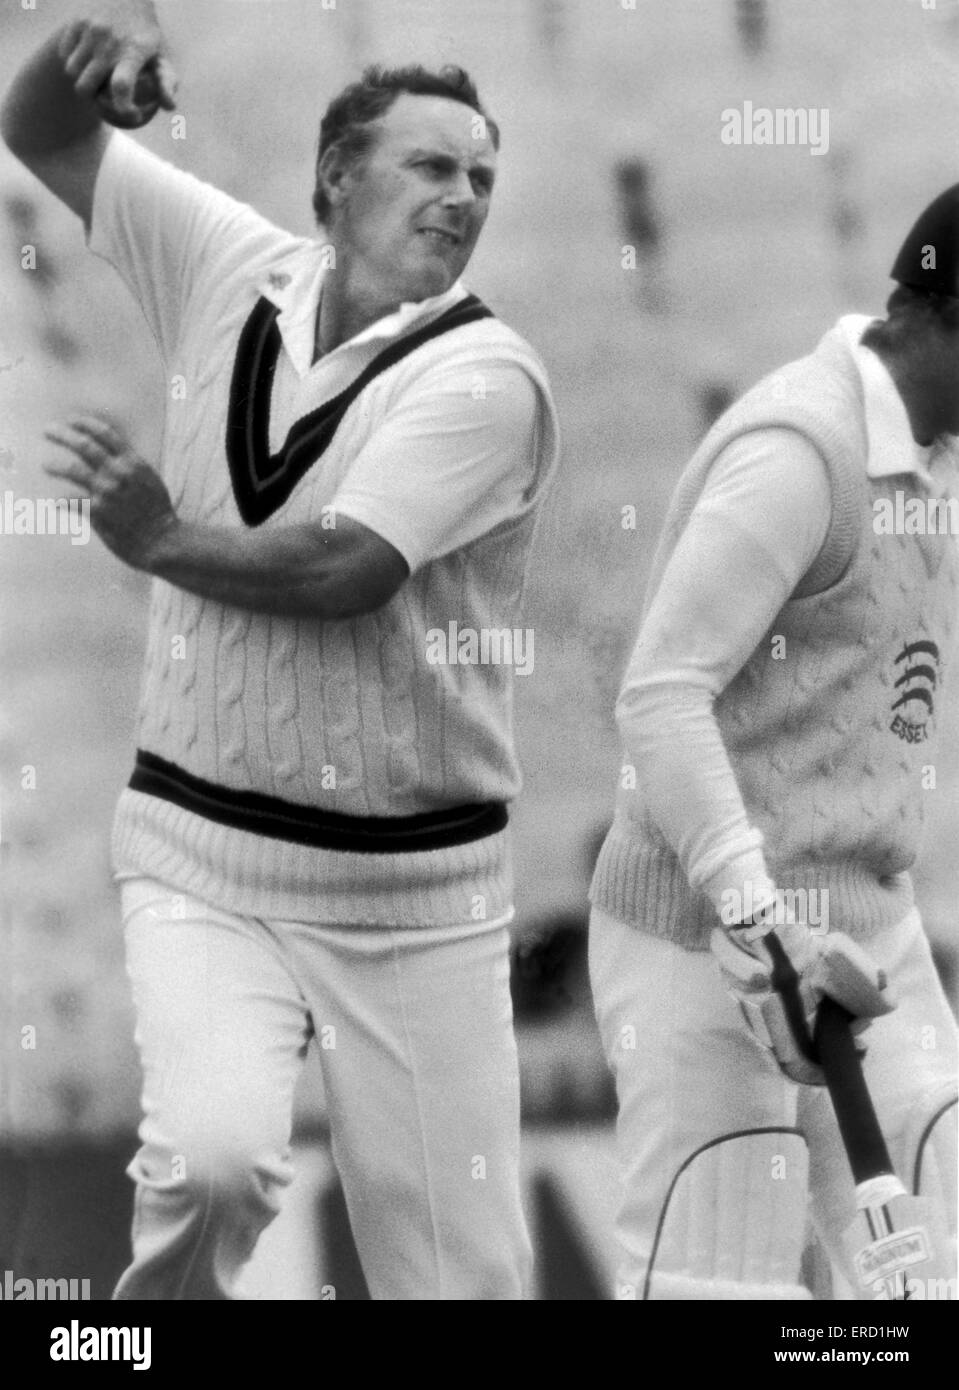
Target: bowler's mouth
(440, 236)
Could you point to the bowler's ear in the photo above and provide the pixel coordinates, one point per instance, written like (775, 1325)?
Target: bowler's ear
(333, 175)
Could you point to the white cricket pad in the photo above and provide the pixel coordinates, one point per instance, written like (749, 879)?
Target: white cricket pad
(933, 1142)
(734, 1221)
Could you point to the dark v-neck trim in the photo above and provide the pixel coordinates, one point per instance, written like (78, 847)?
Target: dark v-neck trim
(262, 481)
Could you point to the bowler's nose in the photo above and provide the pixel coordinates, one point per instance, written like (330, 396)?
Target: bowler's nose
(460, 191)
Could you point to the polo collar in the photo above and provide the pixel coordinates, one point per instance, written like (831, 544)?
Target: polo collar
(295, 288)
(892, 448)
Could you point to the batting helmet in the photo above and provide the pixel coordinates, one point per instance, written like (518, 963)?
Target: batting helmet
(929, 256)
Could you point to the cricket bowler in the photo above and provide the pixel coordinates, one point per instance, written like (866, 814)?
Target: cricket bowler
(779, 718)
(314, 840)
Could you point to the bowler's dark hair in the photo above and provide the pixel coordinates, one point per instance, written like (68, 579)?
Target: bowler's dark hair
(906, 308)
(348, 122)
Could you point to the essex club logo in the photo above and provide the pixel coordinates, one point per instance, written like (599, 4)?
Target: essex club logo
(917, 668)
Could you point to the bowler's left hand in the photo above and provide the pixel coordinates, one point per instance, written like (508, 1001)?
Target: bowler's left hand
(130, 508)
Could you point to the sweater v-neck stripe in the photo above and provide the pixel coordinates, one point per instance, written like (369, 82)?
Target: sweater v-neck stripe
(262, 481)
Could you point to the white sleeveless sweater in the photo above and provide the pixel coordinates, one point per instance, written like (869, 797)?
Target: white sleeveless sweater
(829, 746)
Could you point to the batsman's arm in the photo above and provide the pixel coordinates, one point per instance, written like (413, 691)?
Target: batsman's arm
(53, 115)
(751, 542)
(755, 531)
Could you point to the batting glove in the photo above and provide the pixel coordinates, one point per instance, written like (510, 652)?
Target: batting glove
(778, 974)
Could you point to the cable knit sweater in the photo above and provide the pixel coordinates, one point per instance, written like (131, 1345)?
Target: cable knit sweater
(829, 745)
(326, 771)
(346, 716)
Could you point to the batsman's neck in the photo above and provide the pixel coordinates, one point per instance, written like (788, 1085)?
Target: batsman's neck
(919, 396)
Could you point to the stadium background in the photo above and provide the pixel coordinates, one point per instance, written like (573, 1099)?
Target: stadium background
(611, 118)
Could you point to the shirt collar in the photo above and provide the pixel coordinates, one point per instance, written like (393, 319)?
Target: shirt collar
(295, 288)
(892, 448)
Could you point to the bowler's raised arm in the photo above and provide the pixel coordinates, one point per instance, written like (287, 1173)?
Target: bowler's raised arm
(108, 65)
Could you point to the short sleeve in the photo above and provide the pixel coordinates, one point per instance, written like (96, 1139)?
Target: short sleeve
(172, 237)
(455, 459)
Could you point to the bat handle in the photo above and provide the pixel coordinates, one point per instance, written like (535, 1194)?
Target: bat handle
(855, 1114)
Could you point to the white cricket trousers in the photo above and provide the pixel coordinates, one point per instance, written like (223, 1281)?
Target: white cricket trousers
(688, 1072)
(422, 1085)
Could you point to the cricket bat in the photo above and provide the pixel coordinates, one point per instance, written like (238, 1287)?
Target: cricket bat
(892, 1244)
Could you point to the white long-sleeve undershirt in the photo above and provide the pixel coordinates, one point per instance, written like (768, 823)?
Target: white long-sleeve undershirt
(758, 526)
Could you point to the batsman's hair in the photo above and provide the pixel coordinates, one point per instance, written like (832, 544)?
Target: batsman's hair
(907, 310)
(348, 125)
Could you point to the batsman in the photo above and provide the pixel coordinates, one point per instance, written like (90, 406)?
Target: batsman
(314, 842)
(779, 716)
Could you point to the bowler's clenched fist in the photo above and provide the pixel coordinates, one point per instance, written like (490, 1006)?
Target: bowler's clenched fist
(119, 60)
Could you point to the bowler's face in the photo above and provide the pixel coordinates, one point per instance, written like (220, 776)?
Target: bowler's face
(415, 205)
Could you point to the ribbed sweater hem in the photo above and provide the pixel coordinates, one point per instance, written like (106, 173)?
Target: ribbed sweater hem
(644, 885)
(259, 876)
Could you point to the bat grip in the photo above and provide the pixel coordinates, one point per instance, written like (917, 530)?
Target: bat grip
(856, 1116)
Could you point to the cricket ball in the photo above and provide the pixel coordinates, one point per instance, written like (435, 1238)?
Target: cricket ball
(146, 99)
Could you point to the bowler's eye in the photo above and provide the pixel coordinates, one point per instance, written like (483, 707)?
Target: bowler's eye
(435, 166)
